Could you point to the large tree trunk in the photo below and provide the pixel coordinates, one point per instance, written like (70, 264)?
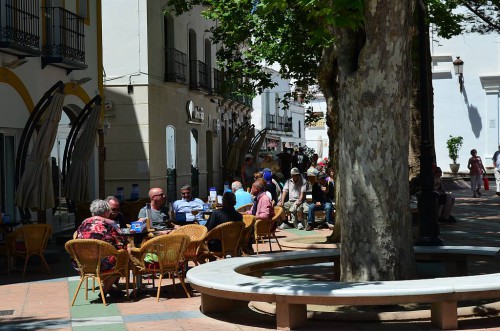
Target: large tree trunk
(372, 86)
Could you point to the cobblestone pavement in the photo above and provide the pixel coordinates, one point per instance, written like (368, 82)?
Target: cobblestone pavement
(42, 302)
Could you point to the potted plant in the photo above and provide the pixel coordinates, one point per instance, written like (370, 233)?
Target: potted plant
(454, 144)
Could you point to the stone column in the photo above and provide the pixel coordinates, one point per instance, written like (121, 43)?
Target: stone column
(491, 85)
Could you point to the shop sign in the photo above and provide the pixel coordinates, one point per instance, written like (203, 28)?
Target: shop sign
(196, 114)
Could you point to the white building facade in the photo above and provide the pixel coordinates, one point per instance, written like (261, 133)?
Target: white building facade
(472, 113)
(285, 127)
(317, 132)
(169, 124)
(43, 42)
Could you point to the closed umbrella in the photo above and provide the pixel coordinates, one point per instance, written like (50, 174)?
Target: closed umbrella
(35, 188)
(258, 141)
(76, 185)
(234, 153)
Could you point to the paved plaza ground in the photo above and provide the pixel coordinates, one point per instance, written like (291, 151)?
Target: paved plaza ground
(42, 302)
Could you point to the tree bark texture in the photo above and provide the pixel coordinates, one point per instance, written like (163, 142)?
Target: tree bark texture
(374, 87)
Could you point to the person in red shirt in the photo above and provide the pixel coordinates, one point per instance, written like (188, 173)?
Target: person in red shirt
(100, 227)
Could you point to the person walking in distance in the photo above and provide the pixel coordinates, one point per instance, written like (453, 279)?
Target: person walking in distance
(477, 170)
(496, 168)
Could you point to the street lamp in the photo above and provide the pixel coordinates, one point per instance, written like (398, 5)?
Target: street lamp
(458, 65)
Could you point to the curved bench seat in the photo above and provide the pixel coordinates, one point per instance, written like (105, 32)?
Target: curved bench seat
(223, 281)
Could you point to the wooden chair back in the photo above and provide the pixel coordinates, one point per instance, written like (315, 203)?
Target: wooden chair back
(267, 228)
(167, 253)
(29, 240)
(169, 250)
(88, 253)
(229, 234)
(197, 234)
(249, 221)
(245, 208)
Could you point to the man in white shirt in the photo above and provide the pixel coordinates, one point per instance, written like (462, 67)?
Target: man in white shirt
(183, 208)
(496, 169)
(295, 189)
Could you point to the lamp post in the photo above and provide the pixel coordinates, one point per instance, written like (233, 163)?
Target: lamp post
(427, 200)
(458, 65)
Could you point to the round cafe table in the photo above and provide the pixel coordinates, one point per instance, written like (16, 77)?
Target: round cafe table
(139, 237)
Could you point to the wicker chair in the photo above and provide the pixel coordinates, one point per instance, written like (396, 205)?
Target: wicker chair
(167, 251)
(267, 228)
(245, 208)
(197, 234)
(249, 221)
(29, 240)
(88, 253)
(229, 234)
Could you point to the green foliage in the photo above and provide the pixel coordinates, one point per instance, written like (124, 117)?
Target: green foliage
(452, 17)
(454, 144)
(291, 33)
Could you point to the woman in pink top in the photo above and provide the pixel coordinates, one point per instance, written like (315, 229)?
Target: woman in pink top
(262, 206)
(477, 170)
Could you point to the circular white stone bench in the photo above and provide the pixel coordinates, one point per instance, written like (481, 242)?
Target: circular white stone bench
(222, 282)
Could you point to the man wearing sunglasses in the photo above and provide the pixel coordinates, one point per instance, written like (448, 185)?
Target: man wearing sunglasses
(115, 214)
(159, 212)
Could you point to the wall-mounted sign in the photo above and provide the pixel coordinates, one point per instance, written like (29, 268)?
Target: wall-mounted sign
(196, 114)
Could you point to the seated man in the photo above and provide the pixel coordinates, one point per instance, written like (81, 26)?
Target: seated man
(295, 189)
(242, 196)
(115, 214)
(159, 213)
(226, 214)
(186, 205)
(445, 200)
(323, 195)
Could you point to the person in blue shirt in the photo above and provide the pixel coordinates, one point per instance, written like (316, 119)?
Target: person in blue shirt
(242, 196)
(183, 207)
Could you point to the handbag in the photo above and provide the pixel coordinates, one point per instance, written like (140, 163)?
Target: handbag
(486, 183)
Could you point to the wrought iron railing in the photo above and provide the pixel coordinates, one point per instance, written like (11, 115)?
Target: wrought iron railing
(175, 66)
(65, 35)
(271, 122)
(19, 24)
(218, 81)
(279, 123)
(199, 75)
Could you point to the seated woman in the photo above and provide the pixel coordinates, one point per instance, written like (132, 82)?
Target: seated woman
(100, 227)
(445, 200)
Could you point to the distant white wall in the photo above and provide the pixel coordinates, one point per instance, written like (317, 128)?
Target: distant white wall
(473, 114)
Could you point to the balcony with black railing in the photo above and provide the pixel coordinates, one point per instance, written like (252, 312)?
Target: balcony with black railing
(64, 39)
(199, 76)
(19, 27)
(278, 123)
(218, 81)
(175, 66)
